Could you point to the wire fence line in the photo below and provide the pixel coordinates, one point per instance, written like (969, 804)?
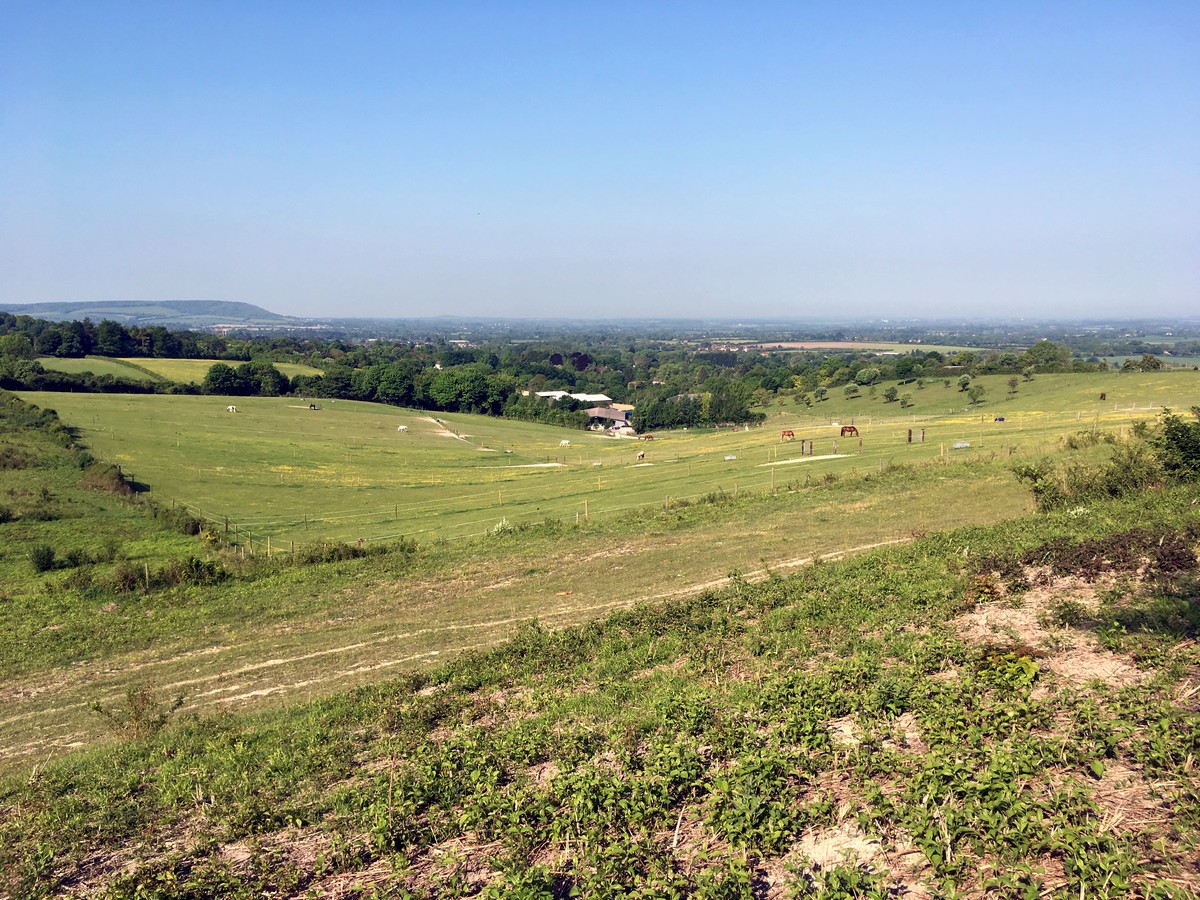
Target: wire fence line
(272, 534)
(253, 541)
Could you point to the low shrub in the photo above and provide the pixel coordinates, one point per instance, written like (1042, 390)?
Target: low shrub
(191, 571)
(11, 459)
(329, 552)
(179, 518)
(102, 477)
(1177, 445)
(1081, 440)
(125, 578)
(109, 550)
(142, 714)
(75, 557)
(42, 557)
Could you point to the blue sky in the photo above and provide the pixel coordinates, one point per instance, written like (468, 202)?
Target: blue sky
(605, 158)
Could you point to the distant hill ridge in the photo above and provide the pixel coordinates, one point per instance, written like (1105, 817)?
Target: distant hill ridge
(180, 313)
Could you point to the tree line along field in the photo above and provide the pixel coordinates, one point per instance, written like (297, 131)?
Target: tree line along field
(278, 469)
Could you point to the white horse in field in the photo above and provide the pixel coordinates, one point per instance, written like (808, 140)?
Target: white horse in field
(402, 428)
(564, 443)
(231, 409)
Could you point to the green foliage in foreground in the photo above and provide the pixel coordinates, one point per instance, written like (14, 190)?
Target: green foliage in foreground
(1171, 454)
(696, 748)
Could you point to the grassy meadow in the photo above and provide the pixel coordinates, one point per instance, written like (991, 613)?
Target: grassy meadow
(345, 472)
(1003, 711)
(100, 365)
(676, 523)
(192, 371)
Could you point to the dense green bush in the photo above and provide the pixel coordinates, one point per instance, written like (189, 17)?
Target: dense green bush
(1177, 445)
(42, 557)
(178, 518)
(1132, 467)
(125, 578)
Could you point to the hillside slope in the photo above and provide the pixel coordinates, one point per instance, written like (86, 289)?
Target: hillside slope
(1012, 711)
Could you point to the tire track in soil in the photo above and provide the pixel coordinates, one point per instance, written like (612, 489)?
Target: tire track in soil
(196, 704)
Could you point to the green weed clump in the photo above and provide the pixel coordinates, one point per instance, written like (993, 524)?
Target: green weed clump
(142, 715)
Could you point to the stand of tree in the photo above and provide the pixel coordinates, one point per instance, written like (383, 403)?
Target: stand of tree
(673, 383)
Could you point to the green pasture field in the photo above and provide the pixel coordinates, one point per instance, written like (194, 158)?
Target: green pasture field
(277, 469)
(1168, 361)
(193, 370)
(829, 689)
(99, 365)
(140, 368)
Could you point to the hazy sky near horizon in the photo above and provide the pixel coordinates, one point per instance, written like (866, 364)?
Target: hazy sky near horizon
(598, 159)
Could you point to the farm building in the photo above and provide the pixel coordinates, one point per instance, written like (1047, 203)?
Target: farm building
(609, 414)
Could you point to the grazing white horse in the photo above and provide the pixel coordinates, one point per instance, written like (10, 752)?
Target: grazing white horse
(231, 409)
(641, 455)
(564, 443)
(402, 428)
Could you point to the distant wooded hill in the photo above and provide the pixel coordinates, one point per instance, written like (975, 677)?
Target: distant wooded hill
(183, 313)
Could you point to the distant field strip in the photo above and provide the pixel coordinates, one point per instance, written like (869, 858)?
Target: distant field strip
(99, 365)
(193, 370)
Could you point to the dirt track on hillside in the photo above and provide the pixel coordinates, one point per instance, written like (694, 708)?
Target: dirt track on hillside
(61, 718)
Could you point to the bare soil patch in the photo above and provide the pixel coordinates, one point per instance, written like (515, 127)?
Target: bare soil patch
(1072, 653)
